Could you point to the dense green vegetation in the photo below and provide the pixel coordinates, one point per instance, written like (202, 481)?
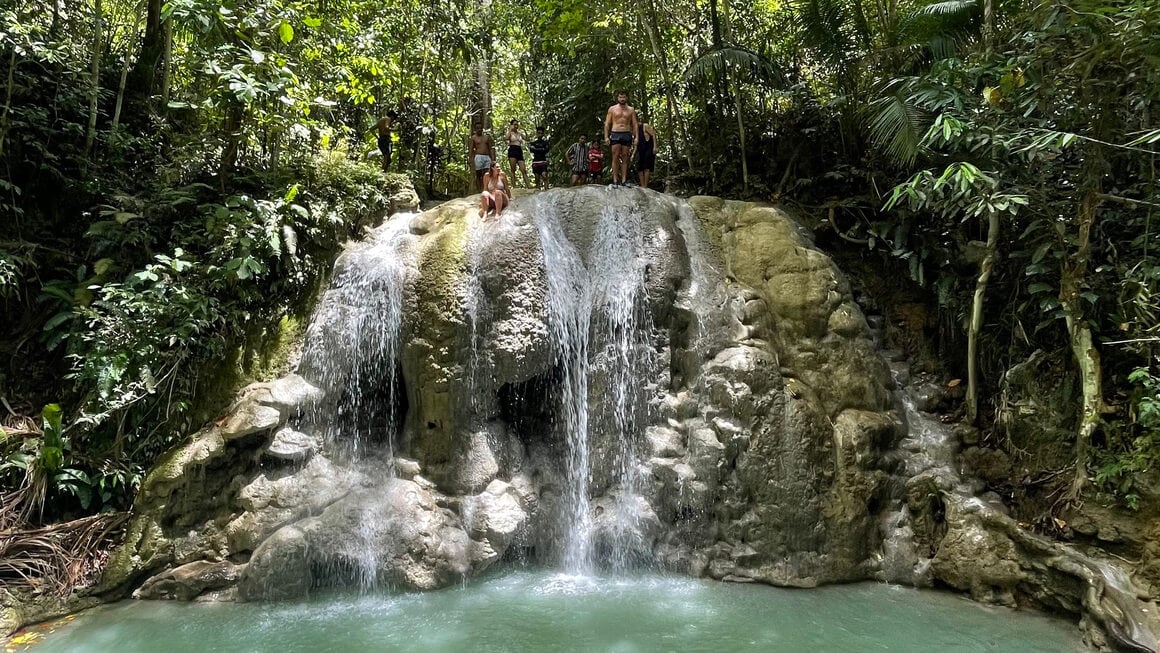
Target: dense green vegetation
(177, 177)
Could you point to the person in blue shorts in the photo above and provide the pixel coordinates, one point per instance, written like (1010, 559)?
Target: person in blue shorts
(480, 154)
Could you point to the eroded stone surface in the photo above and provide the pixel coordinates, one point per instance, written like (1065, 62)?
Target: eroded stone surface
(762, 422)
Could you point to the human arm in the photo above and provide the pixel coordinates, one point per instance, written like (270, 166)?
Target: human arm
(607, 126)
(635, 124)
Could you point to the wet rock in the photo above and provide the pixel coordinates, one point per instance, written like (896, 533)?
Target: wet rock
(269, 502)
(289, 395)
(291, 445)
(664, 442)
(498, 514)
(407, 468)
(393, 534)
(249, 417)
(991, 465)
(187, 582)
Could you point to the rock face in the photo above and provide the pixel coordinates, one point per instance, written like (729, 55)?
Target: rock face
(596, 378)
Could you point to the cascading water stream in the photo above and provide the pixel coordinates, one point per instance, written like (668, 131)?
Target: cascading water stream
(352, 352)
(929, 446)
(600, 327)
(352, 345)
(569, 315)
(623, 325)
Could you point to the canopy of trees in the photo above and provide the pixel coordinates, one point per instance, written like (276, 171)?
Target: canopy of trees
(178, 174)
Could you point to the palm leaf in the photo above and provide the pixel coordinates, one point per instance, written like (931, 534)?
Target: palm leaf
(733, 62)
(827, 27)
(896, 125)
(951, 8)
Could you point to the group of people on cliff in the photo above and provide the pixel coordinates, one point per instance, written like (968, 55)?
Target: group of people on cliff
(624, 132)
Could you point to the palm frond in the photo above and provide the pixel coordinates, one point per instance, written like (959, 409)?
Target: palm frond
(827, 27)
(896, 125)
(734, 62)
(951, 8)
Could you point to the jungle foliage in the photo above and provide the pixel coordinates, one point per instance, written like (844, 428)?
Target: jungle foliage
(178, 175)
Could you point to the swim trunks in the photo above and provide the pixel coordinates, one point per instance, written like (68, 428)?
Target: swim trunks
(539, 167)
(516, 152)
(620, 138)
(482, 162)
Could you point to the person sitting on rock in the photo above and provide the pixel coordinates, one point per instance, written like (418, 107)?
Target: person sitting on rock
(496, 191)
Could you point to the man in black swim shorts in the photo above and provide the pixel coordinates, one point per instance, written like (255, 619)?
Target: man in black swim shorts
(620, 127)
(383, 127)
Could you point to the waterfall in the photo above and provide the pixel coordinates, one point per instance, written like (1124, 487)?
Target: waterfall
(352, 352)
(622, 329)
(600, 330)
(569, 303)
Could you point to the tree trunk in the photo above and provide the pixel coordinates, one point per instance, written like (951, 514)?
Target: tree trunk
(95, 72)
(124, 79)
(671, 111)
(1087, 357)
(741, 135)
(145, 71)
(235, 114)
(7, 99)
(988, 25)
(166, 63)
(54, 26)
(482, 88)
(985, 268)
(715, 23)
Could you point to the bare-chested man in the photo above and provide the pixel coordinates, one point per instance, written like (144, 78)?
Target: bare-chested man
(480, 154)
(383, 129)
(620, 127)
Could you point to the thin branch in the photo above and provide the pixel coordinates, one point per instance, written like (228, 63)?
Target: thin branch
(1126, 200)
(1124, 342)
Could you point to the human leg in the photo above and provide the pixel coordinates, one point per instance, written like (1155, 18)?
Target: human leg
(384, 143)
(482, 165)
(617, 154)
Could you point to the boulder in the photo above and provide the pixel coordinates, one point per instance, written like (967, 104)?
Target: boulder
(393, 534)
(188, 581)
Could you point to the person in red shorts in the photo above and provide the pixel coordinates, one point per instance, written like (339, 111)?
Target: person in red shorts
(595, 163)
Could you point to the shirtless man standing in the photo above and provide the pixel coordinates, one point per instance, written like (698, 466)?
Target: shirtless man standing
(383, 128)
(620, 128)
(480, 154)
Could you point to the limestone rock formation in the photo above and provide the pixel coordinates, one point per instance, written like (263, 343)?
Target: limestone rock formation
(597, 377)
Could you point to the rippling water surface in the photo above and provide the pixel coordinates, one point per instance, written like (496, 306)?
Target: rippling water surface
(531, 610)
